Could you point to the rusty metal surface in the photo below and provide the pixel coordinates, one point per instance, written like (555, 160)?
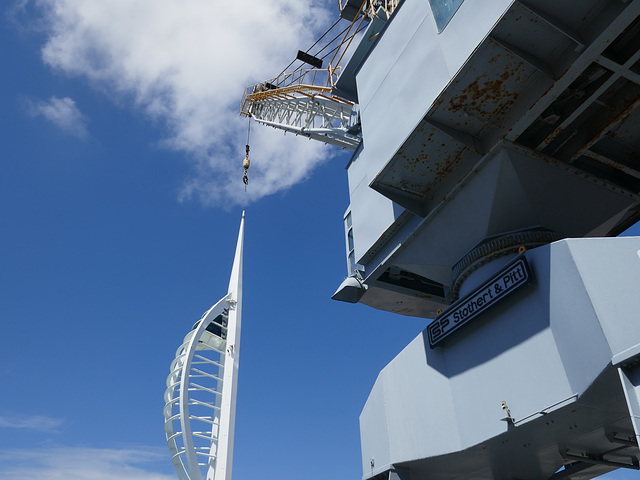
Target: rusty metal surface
(423, 162)
(488, 86)
(593, 123)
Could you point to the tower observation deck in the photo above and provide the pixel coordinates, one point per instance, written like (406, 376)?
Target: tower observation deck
(496, 153)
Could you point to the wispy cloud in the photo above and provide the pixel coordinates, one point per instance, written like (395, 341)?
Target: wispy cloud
(63, 113)
(185, 63)
(73, 463)
(37, 422)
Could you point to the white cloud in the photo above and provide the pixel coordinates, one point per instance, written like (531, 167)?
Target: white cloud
(186, 63)
(73, 463)
(37, 422)
(63, 113)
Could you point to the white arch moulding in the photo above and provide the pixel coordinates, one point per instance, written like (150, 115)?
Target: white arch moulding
(200, 399)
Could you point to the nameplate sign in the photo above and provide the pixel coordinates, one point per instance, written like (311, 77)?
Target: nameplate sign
(506, 281)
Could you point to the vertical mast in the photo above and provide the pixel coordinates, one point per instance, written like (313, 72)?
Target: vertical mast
(224, 460)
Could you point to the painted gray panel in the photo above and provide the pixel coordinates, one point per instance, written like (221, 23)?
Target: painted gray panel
(401, 62)
(576, 327)
(374, 441)
(413, 392)
(371, 212)
(630, 379)
(412, 57)
(467, 29)
(508, 354)
(394, 40)
(543, 350)
(611, 275)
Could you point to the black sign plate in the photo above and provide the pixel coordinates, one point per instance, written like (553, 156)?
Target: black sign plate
(506, 281)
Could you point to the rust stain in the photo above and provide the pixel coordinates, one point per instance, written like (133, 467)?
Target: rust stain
(485, 96)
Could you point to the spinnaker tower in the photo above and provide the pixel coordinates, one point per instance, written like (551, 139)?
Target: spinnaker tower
(200, 399)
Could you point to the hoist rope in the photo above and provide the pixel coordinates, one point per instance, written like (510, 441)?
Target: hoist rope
(246, 163)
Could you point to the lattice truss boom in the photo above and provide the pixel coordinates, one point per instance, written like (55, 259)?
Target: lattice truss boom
(302, 99)
(318, 117)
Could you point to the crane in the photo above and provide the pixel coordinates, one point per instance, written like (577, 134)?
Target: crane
(309, 101)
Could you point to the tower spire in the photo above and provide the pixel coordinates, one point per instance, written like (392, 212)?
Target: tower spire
(200, 400)
(230, 378)
(235, 282)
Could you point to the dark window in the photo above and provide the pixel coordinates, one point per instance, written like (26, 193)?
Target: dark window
(443, 11)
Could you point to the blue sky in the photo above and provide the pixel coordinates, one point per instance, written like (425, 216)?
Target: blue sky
(121, 197)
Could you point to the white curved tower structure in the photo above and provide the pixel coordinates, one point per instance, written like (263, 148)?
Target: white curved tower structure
(200, 400)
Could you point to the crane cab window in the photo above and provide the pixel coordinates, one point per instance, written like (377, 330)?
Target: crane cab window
(443, 11)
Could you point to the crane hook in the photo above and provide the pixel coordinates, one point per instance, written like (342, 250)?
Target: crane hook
(245, 164)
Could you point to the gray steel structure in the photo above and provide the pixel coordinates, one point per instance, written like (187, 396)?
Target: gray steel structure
(494, 131)
(561, 353)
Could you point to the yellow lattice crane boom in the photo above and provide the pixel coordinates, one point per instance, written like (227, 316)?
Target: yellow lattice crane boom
(307, 101)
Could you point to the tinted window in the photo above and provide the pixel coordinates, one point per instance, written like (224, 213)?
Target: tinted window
(443, 11)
